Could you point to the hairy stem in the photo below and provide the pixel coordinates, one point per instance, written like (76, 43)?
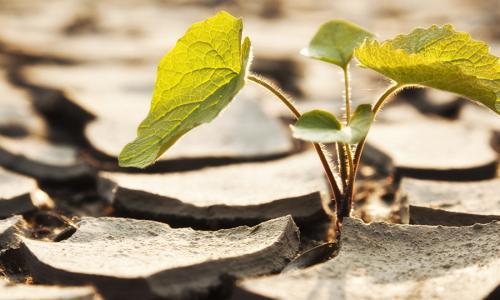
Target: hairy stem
(324, 161)
(359, 149)
(345, 208)
(347, 87)
(385, 96)
(347, 95)
(343, 164)
(344, 150)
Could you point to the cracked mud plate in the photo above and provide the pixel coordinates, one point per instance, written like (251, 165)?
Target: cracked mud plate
(132, 259)
(223, 196)
(384, 261)
(428, 202)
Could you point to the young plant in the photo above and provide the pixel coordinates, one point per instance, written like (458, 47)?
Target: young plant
(210, 64)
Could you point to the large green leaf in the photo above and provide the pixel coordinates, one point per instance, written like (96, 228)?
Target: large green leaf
(438, 57)
(335, 42)
(320, 126)
(195, 81)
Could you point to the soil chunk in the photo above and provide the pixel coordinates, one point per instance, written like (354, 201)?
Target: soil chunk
(134, 259)
(24, 143)
(389, 261)
(430, 202)
(436, 149)
(36, 157)
(223, 196)
(15, 193)
(17, 116)
(40, 292)
(8, 228)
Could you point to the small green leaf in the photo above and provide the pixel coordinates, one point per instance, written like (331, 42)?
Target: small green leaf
(437, 57)
(195, 81)
(320, 126)
(335, 42)
(317, 126)
(361, 121)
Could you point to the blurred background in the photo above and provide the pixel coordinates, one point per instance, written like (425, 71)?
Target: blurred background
(76, 78)
(141, 32)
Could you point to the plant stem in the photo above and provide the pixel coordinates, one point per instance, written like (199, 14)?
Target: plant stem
(347, 87)
(324, 161)
(385, 96)
(344, 150)
(350, 161)
(347, 94)
(345, 208)
(343, 164)
(359, 149)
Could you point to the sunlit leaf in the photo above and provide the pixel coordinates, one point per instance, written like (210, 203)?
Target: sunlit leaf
(320, 126)
(360, 124)
(195, 81)
(438, 57)
(317, 126)
(335, 42)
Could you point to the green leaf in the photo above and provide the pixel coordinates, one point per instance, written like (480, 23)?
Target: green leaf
(317, 126)
(335, 42)
(320, 126)
(361, 121)
(195, 81)
(438, 57)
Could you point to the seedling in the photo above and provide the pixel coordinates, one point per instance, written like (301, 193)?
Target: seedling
(210, 64)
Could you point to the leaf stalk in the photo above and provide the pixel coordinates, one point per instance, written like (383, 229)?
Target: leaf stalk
(288, 103)
(344, 151)
(390, 91)
(347, 94)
